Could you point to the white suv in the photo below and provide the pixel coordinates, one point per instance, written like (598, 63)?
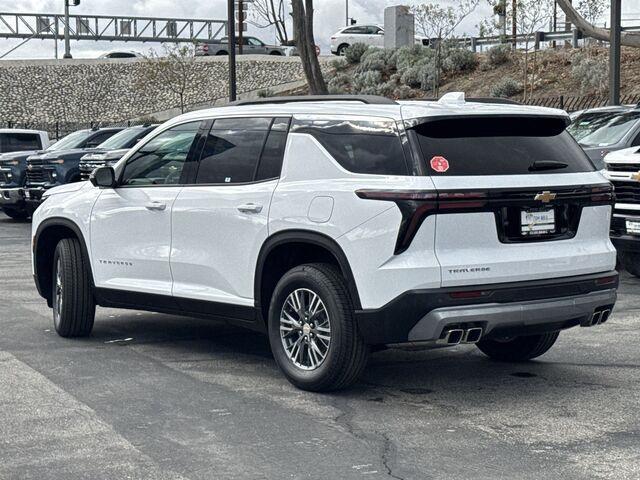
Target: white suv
(372, 35)
(338, 224)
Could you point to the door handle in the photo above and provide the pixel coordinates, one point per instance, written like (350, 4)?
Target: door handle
(250, 208)
(158, 206)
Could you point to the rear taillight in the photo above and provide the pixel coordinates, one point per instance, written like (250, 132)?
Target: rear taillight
(416, 205)
(610, 280)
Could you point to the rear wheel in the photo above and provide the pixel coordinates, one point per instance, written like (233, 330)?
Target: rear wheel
(518, 349)
(631, 262)
(312, 332)
(15, 213)
(73, 304)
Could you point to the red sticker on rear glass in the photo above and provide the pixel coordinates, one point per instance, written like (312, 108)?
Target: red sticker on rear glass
(439, 164)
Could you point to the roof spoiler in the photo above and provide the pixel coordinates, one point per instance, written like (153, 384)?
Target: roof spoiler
(366, 99)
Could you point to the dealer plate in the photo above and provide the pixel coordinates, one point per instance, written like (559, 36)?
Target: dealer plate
(538, 222)
(633, 227)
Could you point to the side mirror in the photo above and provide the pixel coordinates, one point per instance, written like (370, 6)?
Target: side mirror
(103, 177)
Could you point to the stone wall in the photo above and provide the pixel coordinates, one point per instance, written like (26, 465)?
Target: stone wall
(46, 91)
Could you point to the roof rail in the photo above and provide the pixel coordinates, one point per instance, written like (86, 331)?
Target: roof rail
(504, 101)
(367, 99)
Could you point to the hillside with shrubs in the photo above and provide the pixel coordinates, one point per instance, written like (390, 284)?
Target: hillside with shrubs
(419, 72)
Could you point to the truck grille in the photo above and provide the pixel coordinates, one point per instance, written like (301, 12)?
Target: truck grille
(627, 192)
(3, 178)
(623, 167)
(36, 175)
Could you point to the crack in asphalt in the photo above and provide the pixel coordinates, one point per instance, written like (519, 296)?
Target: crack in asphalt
(386, 446)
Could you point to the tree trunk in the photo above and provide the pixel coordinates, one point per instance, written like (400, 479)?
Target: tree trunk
(303, 32)
(589, 30)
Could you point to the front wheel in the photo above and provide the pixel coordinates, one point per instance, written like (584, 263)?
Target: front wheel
(73, 304)
(518, 349)
(312, 331)
(631, 262)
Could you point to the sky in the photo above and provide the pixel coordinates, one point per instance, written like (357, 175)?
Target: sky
(330, 16)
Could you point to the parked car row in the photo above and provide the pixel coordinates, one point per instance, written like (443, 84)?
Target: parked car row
(27, 172)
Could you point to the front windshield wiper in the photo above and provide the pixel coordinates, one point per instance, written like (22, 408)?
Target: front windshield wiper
(539, 165)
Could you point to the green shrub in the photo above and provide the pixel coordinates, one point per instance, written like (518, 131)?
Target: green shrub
(406, 57)
(265, 93)
(377, 59)
(507, 87)
(499, 55)
(590, 71)
(458, 60)
(339, 64)
(367, 82)
(353, 54)
(339, 83)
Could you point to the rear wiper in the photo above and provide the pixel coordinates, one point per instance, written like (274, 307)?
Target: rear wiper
(546, 165)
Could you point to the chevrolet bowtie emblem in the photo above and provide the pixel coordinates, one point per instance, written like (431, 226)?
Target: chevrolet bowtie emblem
(545, 197)
(636, 177)
(29, 167)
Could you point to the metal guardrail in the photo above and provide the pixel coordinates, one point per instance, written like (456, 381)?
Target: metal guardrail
(535, 38)
(49, 26)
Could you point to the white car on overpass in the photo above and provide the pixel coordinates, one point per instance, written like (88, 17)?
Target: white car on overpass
(372, 35)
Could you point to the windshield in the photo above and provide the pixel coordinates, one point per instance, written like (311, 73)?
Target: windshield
(601, 129)
(73, 140)
(124, 139)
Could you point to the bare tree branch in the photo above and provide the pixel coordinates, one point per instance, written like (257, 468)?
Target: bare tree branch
(590, 30)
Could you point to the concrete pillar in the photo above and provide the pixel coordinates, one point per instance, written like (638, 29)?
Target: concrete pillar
(399, 27)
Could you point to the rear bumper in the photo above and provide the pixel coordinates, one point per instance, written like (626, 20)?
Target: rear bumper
(518, 308)
(626, 243)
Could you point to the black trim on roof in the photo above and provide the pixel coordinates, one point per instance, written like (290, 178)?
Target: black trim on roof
(366, 99)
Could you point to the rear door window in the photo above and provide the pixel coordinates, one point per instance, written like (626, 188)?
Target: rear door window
(499, 146)
(16, 142)
(359, 146)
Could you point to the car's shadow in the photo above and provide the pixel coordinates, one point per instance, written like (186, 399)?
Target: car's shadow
(391, 372)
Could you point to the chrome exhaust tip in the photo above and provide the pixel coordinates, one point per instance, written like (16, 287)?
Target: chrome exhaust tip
(604, 316)
(595, 318)
(452, 337)
(473, 335)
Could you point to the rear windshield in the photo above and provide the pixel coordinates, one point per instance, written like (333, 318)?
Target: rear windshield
(19, 142)
(499, 146)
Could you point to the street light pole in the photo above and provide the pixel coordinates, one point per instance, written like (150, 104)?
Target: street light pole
(231, 36)
(346, 21)
(67, 46)
(614, 52)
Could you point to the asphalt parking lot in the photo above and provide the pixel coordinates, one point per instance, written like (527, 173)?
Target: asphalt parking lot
(152, 396)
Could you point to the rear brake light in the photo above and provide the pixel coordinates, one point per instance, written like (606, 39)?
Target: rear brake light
(606, 280)
(395, 195)
(469, 294)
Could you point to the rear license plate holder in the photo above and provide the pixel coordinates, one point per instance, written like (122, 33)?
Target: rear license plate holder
(537, 222)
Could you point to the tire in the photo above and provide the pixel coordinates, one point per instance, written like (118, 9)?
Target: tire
(276, 53)
(518, 349)
(340, 353)
(16, 214)
(221, 53)
(73, 303)
(631, 262)
(341, 49)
